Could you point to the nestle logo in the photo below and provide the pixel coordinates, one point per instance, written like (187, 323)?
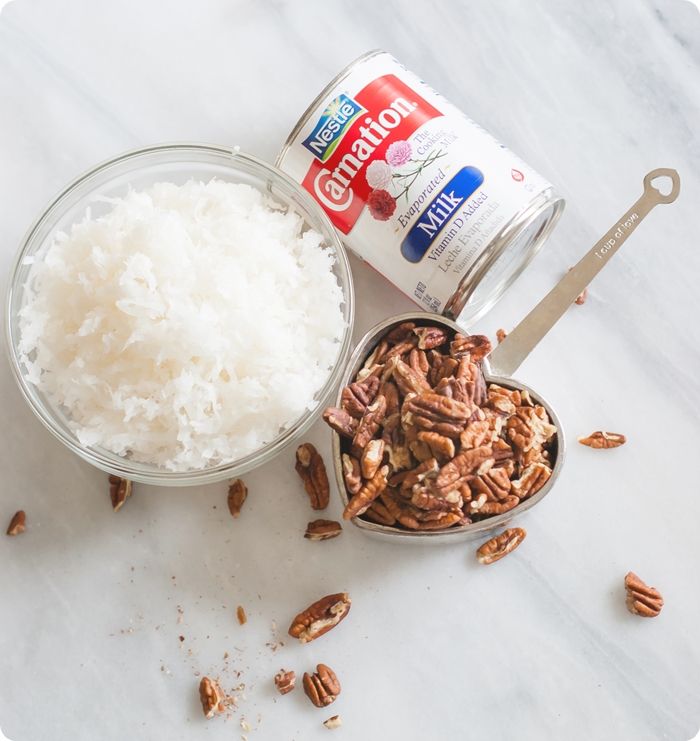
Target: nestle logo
(332, 126)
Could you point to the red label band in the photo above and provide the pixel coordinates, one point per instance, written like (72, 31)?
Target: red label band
(394, 111)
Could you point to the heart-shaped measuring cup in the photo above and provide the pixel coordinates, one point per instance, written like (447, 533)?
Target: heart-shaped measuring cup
(505, 359)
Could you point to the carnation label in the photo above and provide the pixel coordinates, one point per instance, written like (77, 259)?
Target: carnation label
(418, 190)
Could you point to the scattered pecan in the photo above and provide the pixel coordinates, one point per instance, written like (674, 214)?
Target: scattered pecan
(119, 491)
(356, 397)
(322, 687)
(323, 530)
(369, 425)
(367, 494)
(211, 696)
(603, 440)
(500, 545)
(340, 421)
(477, 346)
(237, 494)
(372, 458)
(501, 334)
(441, 447)
(333, 722)
(285, 681)
(320, 617)
(241, 616)
(430, 337)
(18, 523)
(312, 470)
(642, 600)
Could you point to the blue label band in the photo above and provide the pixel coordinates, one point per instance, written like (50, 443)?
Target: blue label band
(441, 209)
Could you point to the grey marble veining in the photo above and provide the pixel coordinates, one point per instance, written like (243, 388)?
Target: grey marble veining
(538, 647)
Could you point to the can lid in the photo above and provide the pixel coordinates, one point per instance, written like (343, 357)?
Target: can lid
(505, 258)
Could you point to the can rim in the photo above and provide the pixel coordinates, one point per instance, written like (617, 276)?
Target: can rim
(547, 199)
(303, 119)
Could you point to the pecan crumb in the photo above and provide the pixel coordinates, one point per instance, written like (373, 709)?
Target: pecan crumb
(240, 614)
(119, 491)
(603, 440)
(501, 334)
(312, 470)
(500, 545)
(581, 298)
(323, 530)
(320, 617)
(237, 494)
(211, 696)
(18, 523)
(333, 722)
(641, 599)
(322, 687)
(285, 681)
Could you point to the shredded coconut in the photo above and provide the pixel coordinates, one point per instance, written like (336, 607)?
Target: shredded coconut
(185, 327)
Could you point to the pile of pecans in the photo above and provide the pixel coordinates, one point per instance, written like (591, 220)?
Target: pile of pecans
(427, 444)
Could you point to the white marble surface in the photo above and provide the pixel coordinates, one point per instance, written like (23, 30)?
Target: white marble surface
(537, 647)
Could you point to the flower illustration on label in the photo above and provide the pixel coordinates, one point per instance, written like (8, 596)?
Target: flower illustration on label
(381, 204)
(378, 175)
(398, 153)
(517, 175)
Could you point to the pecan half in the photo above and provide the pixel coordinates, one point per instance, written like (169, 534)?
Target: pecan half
(212, 697)
(312, 470)
(285, 681)
(603, 440)
(641, 599)
(436, 413)
(475, 434)
(18, 523)
(322, 687)
(320, 617)
(501, 545)
(495, 483)
(418, 360)
(352, 474)
(372, 458)
(503, 400)
(441, 447)
(482, 506)
(391, 394)
(402, 349)
(407, 379)
(380, 514)
(400, 332)
(430, 337)
(369, 425)
(119, 491)
(323, 530)
(340, 421)
(237, 494)
(356, 397)
(367, 494)
(477, 346)
(531, 480)
(468, 463)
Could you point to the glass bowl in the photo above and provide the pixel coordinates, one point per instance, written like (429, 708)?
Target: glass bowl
(139, 169)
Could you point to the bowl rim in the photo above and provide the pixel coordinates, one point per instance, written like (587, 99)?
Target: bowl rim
(473, 530)
(140, 472)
